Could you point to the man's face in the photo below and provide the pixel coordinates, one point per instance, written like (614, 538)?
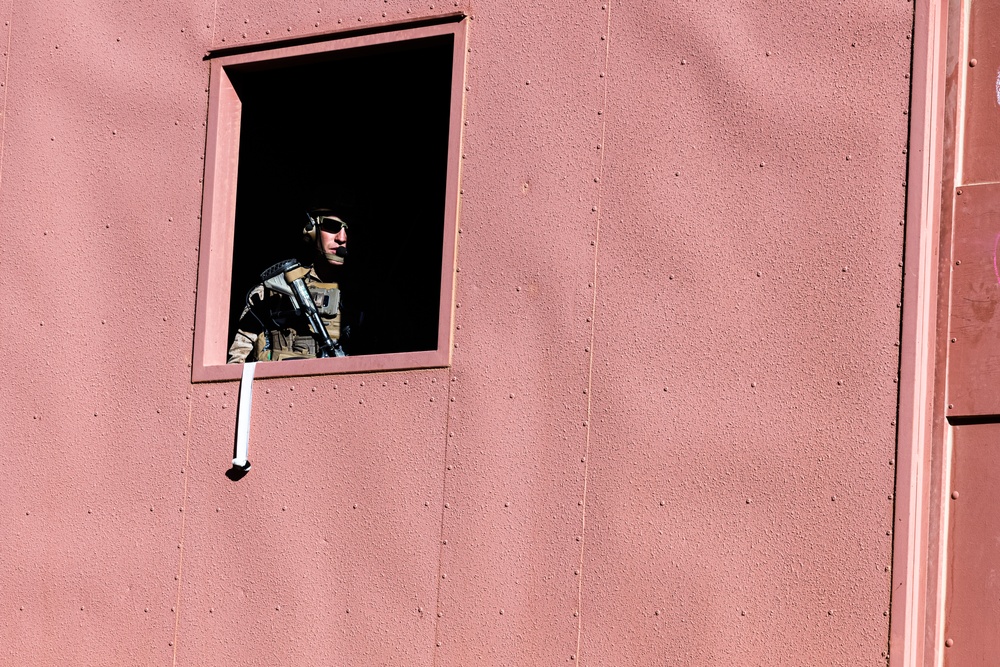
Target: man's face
(332, 235)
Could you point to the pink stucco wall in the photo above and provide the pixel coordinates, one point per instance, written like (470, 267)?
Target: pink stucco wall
(667, 434)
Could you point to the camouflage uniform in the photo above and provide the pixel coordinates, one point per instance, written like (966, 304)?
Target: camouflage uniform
(287, 335)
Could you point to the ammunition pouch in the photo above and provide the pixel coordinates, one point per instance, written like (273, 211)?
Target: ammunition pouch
(288, 344)
(326, 296)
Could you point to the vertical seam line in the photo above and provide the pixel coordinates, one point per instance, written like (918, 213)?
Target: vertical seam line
(447, 420)
(593, 324)
(6, 88)
(444, 491)
(180, 560)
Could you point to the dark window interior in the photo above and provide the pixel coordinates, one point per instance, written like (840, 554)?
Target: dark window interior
(363, 132)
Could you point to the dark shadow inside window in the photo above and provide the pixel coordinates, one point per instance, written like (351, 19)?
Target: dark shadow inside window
(363, 132)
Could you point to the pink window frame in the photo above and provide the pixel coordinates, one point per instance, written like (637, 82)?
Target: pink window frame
(219, 210)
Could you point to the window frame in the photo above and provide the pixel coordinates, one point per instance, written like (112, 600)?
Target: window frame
(218, 214)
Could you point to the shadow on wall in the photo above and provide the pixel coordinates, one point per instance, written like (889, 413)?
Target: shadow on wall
(364, 132)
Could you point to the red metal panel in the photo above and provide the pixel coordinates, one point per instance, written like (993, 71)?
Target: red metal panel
(467, 542)
(241, 22)
(327, 552)
(745, 329)
(512, 561)
(982, 95)
(974, 350)
(973, 609)
(103, 142)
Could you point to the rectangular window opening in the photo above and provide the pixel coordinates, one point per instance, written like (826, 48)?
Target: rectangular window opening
(364, 128)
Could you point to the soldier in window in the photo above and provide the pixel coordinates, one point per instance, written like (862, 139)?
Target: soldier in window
(297, 312)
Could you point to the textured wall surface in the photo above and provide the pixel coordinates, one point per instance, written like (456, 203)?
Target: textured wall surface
(667, 434)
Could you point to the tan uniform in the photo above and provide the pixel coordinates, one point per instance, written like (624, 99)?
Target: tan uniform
(286, 336)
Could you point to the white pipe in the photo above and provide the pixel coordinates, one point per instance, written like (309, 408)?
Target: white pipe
(243, 417)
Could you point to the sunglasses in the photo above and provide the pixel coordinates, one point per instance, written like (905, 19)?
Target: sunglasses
(331, 224)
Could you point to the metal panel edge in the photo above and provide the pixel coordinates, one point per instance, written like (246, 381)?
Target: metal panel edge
(911, 545)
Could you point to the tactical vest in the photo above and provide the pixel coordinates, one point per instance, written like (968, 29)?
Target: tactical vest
(296, 340)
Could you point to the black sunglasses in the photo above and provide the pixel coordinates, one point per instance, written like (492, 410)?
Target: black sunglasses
(330, 224)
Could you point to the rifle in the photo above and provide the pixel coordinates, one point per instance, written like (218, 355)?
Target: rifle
(287, 278)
